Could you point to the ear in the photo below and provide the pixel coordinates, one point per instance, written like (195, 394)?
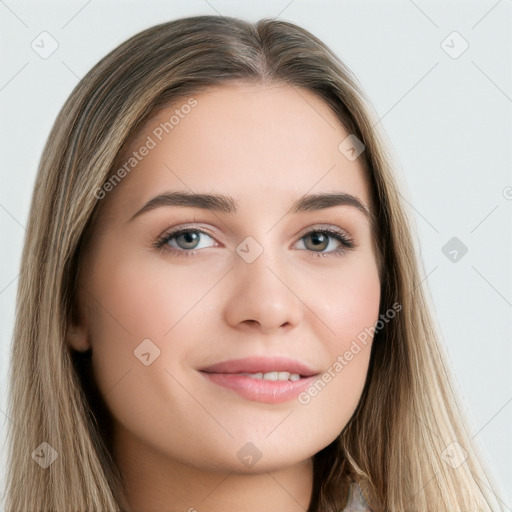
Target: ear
(77, 333)
(77, 337)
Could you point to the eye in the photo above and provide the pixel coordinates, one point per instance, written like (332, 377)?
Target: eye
(321, 242)
(184, 240)
(321, 239)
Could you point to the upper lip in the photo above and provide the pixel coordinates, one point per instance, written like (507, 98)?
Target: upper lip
(261, 364)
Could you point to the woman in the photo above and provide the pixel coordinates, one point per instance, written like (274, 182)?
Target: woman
(180, 342)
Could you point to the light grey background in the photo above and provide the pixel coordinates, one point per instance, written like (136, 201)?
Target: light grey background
(448, 120)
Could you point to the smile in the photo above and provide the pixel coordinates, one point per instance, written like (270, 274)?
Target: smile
(267, 380)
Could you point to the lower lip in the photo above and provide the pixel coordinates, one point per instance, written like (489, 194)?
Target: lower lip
(261, 390)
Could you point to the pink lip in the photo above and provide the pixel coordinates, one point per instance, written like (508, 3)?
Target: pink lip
(226, 374)
(261, 364)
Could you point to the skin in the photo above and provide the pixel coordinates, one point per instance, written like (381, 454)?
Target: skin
(177, 435)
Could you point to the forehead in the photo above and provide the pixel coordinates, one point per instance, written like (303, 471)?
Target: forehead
(253, 142)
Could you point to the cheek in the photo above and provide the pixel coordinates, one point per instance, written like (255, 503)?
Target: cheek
(141, 313)
(142, 296)
(348, 300)
(348, 304)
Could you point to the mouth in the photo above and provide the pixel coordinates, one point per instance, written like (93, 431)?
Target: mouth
(273, 376)
(262, 379)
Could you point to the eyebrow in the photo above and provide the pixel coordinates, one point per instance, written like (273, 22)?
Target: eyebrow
(226, 204)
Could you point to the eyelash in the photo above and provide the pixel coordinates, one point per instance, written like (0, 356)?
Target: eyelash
(347, 243)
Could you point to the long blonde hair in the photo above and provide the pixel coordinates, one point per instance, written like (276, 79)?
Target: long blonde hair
(407, 425)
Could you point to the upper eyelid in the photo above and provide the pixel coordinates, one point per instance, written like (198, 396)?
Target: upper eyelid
(198, 227)
(184, 228)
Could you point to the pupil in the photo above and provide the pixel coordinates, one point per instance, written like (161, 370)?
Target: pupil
(190, 237)
(318, 239)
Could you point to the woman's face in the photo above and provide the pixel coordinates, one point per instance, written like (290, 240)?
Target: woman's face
(255, 285)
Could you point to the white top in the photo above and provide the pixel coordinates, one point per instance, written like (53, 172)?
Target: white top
(356, 501)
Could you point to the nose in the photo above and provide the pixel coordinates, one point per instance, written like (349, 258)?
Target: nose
(262, 296)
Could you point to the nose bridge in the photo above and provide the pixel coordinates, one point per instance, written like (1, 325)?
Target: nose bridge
(260, 293)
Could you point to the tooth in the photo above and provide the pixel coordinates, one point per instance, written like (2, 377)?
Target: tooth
(274, 376)
(253, 375)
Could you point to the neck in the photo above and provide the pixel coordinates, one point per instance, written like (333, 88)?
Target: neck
(156, 482)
